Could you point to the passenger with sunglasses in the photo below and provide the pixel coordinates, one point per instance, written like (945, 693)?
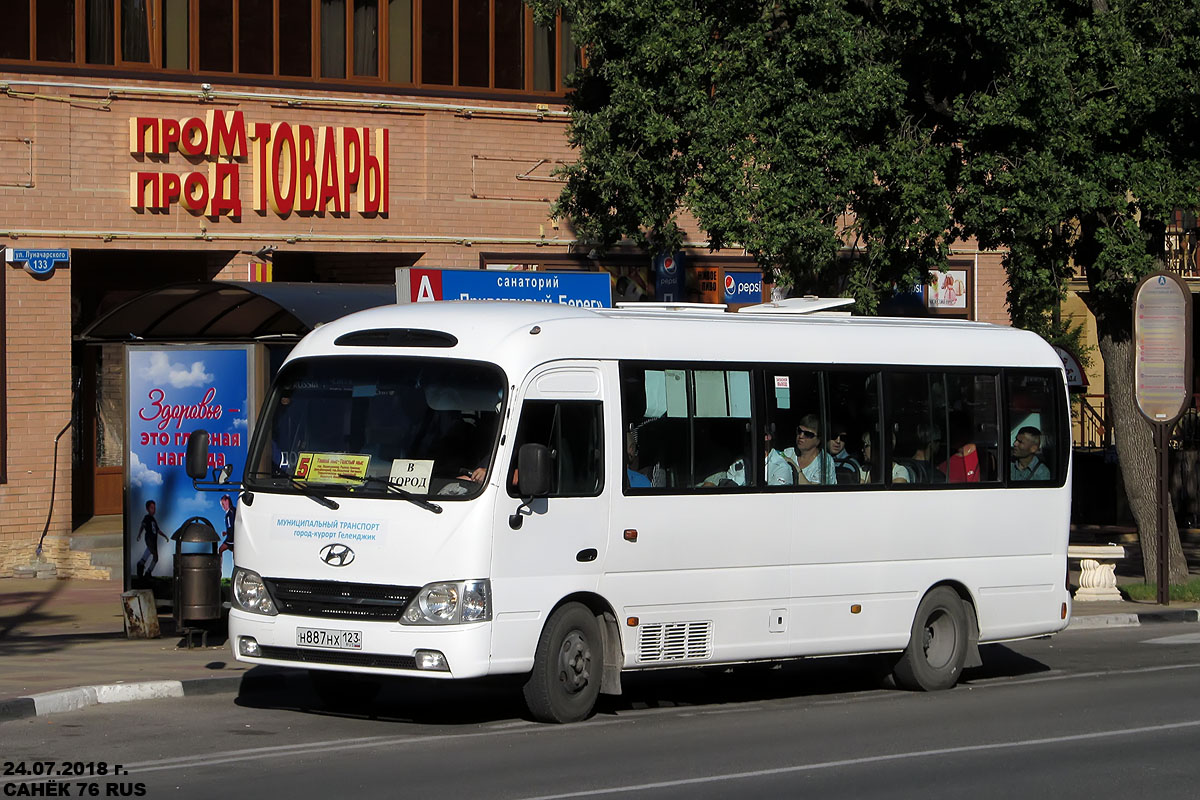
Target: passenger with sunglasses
(847, 465)
(808, 458)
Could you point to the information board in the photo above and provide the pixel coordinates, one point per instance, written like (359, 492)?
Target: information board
(1162, 337)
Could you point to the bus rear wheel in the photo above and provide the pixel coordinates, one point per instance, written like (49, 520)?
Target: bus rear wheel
(937, 647)
(567, 667)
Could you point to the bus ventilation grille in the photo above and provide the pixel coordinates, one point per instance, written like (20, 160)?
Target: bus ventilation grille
(674, 641)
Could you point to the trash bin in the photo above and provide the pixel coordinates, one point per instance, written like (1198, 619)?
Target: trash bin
(197, 593)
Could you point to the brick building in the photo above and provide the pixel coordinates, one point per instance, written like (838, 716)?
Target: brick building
(154, 142)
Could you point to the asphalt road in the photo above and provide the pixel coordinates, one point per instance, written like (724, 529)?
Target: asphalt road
(1088, 714)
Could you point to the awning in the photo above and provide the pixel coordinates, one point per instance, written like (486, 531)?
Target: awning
(234, 311)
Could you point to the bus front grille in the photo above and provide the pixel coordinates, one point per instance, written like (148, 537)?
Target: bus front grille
(338, 600)
(339, 657)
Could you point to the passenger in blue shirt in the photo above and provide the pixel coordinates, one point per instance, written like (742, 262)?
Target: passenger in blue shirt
(636, 479)
(1026, 464)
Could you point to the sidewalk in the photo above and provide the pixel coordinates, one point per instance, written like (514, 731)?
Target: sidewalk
(63, 647)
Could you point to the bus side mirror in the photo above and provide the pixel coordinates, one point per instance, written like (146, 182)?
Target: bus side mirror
(197, 455)
(533, 470)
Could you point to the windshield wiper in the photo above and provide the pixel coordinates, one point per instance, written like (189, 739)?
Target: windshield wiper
(305, 490)
(415, 499)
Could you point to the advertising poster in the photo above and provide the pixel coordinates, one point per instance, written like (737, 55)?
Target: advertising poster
(171, 392)
(668, 277)
(630, 284)
(742, 287)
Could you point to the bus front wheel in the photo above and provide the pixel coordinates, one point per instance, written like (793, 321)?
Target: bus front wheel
(937, 648)
(567, 667)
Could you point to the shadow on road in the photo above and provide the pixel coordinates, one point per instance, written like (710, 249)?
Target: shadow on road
(434, 702)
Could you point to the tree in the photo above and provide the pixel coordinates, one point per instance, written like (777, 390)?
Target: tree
(1078, 140)
(1058, 130)
(767, 121)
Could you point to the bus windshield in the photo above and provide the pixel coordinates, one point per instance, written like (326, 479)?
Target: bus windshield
(379, 427)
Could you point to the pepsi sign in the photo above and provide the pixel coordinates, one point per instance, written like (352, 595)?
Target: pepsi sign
(668, 277)
(743, 287)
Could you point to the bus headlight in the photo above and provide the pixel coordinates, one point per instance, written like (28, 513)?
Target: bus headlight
(250, 593)
(450, 603)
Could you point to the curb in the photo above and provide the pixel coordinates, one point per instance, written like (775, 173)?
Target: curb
(43, 703)
(1123, 620)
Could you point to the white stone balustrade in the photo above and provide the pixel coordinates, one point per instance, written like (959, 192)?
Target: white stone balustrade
(1097, 577)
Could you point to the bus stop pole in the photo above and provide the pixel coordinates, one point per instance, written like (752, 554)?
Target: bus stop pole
(1164, 504)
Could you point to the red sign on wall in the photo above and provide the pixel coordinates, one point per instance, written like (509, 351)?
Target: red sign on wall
(301, 168)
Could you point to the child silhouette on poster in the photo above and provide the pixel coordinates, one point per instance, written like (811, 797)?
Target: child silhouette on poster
(149, 526)
(230, 514)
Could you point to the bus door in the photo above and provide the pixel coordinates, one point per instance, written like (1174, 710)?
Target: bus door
(558, 546)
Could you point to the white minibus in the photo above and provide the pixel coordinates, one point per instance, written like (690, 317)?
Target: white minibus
(465, 489)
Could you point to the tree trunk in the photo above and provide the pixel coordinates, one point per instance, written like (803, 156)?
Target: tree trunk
(1134, 437)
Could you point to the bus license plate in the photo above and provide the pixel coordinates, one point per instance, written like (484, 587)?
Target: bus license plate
(328, 640)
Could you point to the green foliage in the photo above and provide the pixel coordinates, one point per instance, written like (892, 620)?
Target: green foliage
(1179, 592)
(1059, 130)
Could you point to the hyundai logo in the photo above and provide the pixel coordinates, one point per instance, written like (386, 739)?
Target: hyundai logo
(337, 555)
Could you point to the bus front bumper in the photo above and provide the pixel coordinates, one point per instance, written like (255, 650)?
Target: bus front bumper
(381, 648)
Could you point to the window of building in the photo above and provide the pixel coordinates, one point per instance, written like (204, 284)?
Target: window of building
(15, 14)
(256, 35)
(476, 44)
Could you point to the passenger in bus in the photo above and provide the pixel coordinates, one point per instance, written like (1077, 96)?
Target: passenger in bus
(811, 463)
(868, 459)
(636, 479)
(847, 466)
(775, 467)
(922, 449)
(963, 464)
(1026, 463)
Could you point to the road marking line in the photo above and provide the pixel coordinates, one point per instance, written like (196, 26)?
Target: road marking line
(854, 762)
(1183, 638)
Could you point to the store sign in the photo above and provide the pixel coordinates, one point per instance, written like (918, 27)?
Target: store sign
(38, 262)
(743, 287)
(582, 289)
(1076, 379)
(668, 277)
(301, 168)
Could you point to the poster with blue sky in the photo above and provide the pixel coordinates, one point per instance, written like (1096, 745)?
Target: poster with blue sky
(171, 392)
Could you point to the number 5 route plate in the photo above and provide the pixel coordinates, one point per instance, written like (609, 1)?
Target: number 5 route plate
(324, 639)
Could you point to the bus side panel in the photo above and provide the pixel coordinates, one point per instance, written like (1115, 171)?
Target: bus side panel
(713, 567)
(882, 550)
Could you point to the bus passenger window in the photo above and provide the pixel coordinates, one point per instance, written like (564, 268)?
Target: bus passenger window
(973, 425)
(691, 428)
(854, 425)
(1033, 421)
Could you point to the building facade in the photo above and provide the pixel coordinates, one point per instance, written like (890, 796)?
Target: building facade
(145, 143)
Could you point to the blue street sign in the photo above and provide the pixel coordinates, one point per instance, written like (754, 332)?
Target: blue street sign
(40, 262)
(583, 289)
